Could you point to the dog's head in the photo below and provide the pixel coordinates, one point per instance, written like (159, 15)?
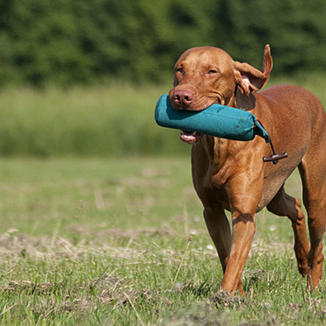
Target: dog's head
(207, 75)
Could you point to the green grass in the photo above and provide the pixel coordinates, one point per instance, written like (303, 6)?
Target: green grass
(108, 121)
(113, 120)
(123, 242)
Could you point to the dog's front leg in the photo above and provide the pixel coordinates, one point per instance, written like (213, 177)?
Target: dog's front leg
(243, 200)
(219, 230)
(243, 228)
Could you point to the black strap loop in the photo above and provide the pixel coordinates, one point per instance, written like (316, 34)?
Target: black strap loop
(275, 157)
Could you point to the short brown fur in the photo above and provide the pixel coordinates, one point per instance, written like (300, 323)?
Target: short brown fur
(231, 174)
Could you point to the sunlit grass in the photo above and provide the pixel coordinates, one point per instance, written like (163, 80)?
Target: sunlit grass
(122, 241)
(108, 121)
(118, 240)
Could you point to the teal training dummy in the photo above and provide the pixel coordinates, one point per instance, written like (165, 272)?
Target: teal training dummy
(216, 120)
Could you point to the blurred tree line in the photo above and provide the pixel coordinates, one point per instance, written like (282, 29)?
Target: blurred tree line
(81, 41)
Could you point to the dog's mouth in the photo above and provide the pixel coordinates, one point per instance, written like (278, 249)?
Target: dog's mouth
(189, 137)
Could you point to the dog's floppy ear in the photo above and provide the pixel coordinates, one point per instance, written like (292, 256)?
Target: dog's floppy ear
(251, 79)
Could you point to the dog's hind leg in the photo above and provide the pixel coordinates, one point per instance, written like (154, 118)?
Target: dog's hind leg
(313, 174)
(284, 205)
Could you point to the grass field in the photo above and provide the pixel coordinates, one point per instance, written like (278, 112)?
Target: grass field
(110, 120)
(123, 242)
(106, 121)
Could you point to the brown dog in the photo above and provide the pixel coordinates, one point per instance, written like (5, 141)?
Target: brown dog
(231, 175)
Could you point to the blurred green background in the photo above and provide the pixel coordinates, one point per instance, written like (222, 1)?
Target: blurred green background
(82, 77)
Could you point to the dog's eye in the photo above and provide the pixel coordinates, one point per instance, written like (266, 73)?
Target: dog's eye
(179, 69)
(212, 72)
